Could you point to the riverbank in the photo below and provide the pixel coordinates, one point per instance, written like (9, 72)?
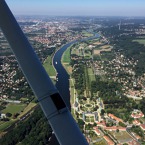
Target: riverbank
(66, 60)
(49, 66)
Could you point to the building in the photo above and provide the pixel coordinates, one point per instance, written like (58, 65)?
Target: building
(115, 118)
(2, 116)
(137, 114)
(142, 126)
(136, 122)
(114, 128)
(97, 131)
(101, 124)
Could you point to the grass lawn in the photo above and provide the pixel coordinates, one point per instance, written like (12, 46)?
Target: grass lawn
(72, 91)
(92, 119)
(91, 75)
(87, 119)
(66, 56)
(14, 108)
(88, 55)
(87, 34)
(24, 99)
(75, 51)
(121, 135)
(49, 67)
(28, 108)
(102, 142)
(5, 125)
(68, 68)
(73, 113)
(141, 41)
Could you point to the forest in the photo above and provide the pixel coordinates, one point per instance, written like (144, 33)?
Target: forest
(35, 130)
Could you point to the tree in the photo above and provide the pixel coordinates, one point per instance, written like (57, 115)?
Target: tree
(102, 112)
(8, 114)
(117, 130)
(122, 124)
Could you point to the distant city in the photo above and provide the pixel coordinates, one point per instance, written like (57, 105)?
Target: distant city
(105, 64)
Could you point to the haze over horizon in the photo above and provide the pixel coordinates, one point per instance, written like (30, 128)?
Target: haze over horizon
(78, 7)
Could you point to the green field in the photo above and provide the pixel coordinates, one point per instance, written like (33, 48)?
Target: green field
(66, 56)
(75, 51)
(86, 34)
(28, 108)
(103, 142)
(66, 61)
(141, 41)
(14, 108)
(88, 86)
(5, 125)
(92, 118)
(121, 135)
(49, 67)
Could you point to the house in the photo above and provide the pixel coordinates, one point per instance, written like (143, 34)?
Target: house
(115, 118)
(137, 114)
(2, 116)
(142, 126)
(101, 124)
(136, 122)
(114, 128)
(97, 131)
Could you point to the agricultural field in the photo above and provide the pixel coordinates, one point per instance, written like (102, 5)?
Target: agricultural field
(97, 43)
(97, 51)
(81, 50)
(106, 47)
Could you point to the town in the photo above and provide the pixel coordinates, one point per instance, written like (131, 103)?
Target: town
(107, 75)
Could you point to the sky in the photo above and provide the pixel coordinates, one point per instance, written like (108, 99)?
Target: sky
(78, 7)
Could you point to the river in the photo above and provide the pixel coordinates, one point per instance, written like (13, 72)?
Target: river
(62, 83)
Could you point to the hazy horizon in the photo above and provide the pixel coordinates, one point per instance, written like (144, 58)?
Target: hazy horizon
(78, 7)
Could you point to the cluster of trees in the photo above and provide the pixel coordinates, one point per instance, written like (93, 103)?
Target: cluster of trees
(106, 89)
(115, 103)
(34, 130)
(137, 130)
(79, 75)
(110, 92)
(81, 124)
